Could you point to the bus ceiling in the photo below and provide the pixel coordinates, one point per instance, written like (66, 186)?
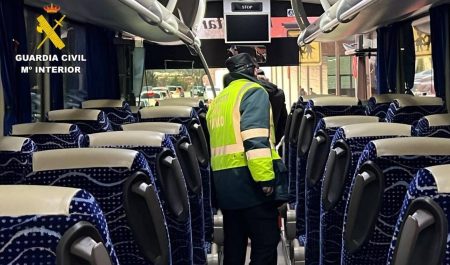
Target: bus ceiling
(349, 17)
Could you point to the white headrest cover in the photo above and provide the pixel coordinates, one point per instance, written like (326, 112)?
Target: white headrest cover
(73, 115)
(102, 103)
(41, 128)
(134, 109)
(12, 143)
(441, 175)
(438, 119)
(19, 200)
(189, 102)
(386, 98)
(82, 158)
(163, 127)
(126, 138)
(166, 112)
(335, 101)
(308, 97)
(412, 146)
(376, 129)
(419, 101)
(339, 121)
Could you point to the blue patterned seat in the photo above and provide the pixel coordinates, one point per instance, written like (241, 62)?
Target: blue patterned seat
(316, 109)
(51, 135)
(117, 111)
(15, 158)
(124, 187)
(89, 121)
(40, 225)
(437, 125)
(346, 148)
(135, 111)
(189, 118)
(409, 110)
(185, 227)
(378, 105)
(384, 171)
(315, 166)
(420, 236)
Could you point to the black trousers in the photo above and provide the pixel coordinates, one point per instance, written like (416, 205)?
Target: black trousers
(260, 224)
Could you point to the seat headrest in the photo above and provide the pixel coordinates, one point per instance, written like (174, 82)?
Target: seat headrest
(12, 143)
(166, 112)
(420, 146)
(339, 121)
(376, 129)
(189, 102)
(102, 103)
(335, 101)
(163, 127)
(438, 119)
(441, 175)
(83, 158)
(419, 101)
(126, 138)
(42, 128)
(19, 200)
(387, 98)
(308, 97)
(135, 109)
(74, 115)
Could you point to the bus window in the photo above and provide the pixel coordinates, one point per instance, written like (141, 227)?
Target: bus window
(424, 77)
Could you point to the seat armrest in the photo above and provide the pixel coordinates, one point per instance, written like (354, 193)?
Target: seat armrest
(291, 223)
(218, 229)
(299, 253)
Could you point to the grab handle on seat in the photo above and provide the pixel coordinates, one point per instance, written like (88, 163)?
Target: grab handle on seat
(199, 142)
(306, 133)
(317, 158)
(188, 161)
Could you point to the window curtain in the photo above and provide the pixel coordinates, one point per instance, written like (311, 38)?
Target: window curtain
(440, 39)
(102, 74)
(395, 58)
(16, 88)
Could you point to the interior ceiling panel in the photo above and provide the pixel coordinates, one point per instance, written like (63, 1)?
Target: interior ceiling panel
(110, 14)
(381, 13)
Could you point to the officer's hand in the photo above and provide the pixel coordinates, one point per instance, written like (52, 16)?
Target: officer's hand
(267, 187)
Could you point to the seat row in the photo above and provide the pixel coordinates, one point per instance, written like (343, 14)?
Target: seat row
(130, 187)
(312, 152)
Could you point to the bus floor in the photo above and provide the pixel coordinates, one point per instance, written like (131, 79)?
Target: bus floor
(281, 258)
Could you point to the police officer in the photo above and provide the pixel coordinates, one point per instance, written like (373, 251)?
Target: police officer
(245, 165)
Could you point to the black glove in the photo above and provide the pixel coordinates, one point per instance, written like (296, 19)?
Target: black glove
(267, 187)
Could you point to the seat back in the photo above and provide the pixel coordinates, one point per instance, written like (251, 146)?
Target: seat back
(188, 117)
(51, 135)
(52, 225)
(437, 125)
(169, 179)
(316, 109)
(385, 169)
(346, 148)
(378, 104)
(89, 121)
(411, 109)
(122, 183)
(135, 111)
(15, 158)
(318, 155)
(420, 235)
(117, 111)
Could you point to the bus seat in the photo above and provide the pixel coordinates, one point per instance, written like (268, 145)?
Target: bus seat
(135, 111)
(117, 111)
(124, 187)
(15, 158)
(189, 118)
(89, 121)
(51, 135)
(189, 102)
(185, 226)
(379, 104)
(421, 232)
(316, 109)
(346, 147)
(52, 225)
(411, 109)
(437, 125)
(315, 166)
(385, 169)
